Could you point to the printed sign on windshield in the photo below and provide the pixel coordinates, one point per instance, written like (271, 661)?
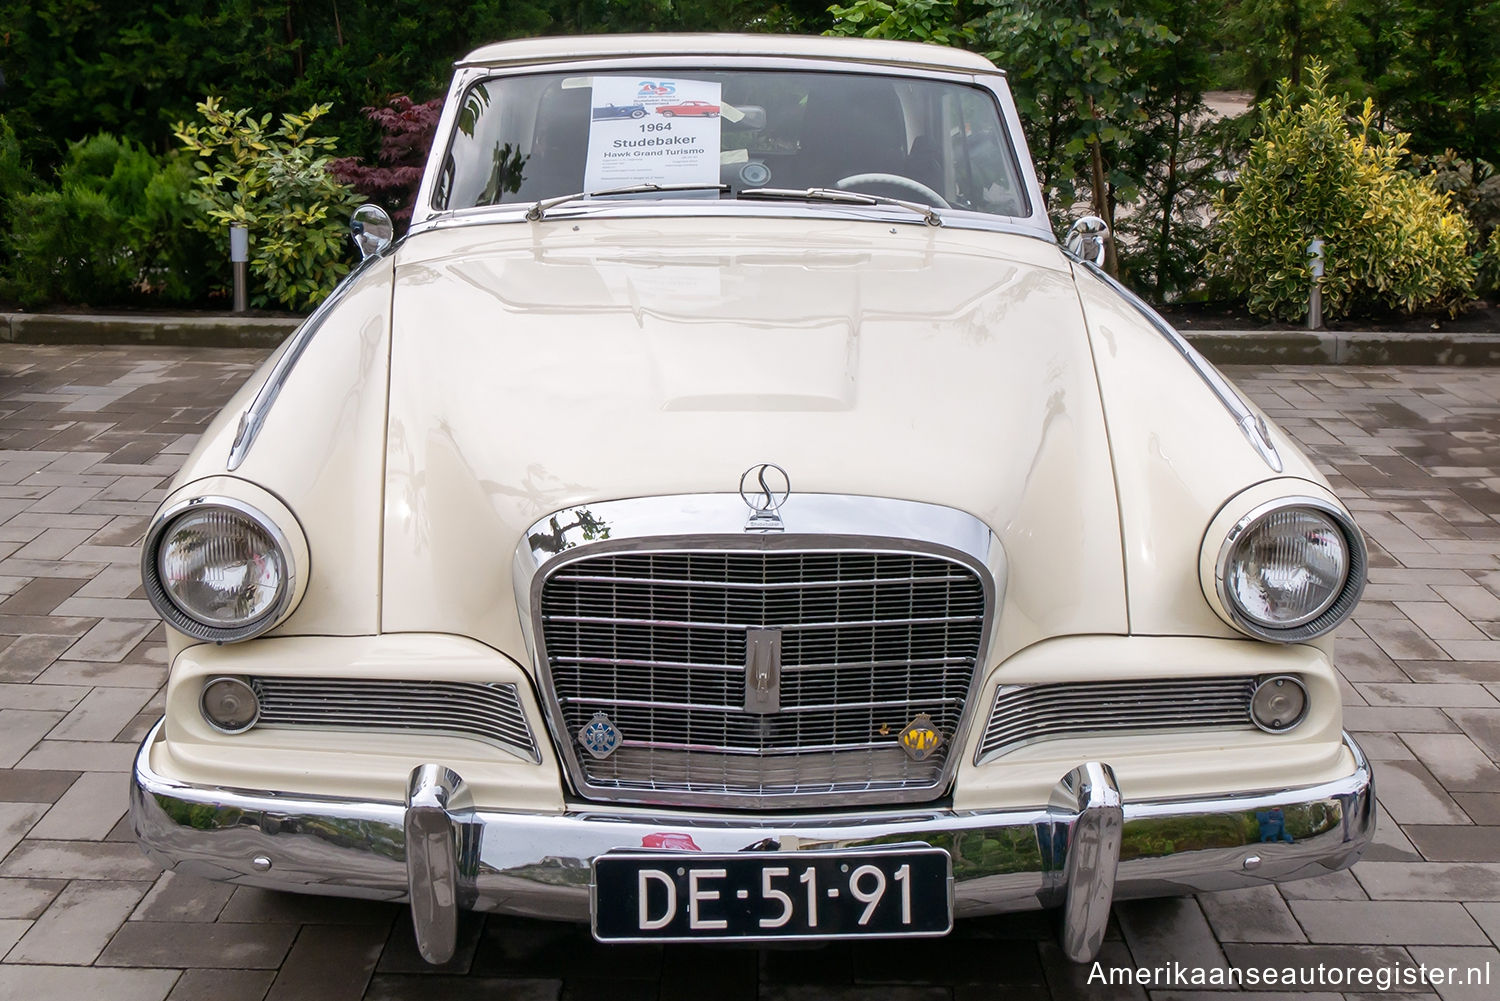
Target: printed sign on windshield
(652, 131)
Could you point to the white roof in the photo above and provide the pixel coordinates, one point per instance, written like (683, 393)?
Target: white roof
(562, 48)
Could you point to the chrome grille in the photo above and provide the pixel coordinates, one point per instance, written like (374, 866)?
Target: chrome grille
(1023, 714)
(487, 712)
(657, 642)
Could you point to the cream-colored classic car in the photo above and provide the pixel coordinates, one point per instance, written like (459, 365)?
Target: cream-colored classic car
(751, 525)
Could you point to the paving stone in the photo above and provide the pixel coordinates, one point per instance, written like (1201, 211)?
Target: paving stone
(125, 675)
(84, 984)
(252, 904)
(1254, 914)
(111, 639)
(329, 963)
(58, 698)
(1455, 761)
(1455, 844)
(1439, 620)
(1362, 719)
(102, 714)
(196, 944)
(1442, 696)
(1341, 885)
(1409, 794)
(1387, 922)
(40, 596)
(33, 785)
(401, 956)
(21, 730)
(1385, 747)
(81, 755)
(88, 810)
(1068, 980)
(1482, 726)
(1404, 641)
(1170, 930)
(79, 860)
(29, 656)
(1430, 880)
(79, 923)
(1473, 974)
(1002, 963)
(27, 898)
(401, 988)
(176, 897)
(229, 985)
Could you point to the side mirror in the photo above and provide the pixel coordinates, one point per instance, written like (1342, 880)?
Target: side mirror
(371, 230)
(1086, 239)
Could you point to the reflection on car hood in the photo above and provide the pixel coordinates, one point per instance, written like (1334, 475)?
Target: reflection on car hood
(540, 366)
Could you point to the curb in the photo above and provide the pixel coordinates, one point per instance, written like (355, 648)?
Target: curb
(1222, 347)
(209, 330)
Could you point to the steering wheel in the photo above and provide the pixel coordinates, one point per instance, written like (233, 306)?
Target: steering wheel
(899, 180)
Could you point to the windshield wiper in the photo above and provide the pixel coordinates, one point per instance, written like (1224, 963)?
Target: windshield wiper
(928, 213)
(539, 210)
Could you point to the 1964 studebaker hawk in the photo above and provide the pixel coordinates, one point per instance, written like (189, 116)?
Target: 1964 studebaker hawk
(748, 526)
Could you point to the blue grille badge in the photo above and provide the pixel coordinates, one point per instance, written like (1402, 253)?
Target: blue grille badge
(599, 736)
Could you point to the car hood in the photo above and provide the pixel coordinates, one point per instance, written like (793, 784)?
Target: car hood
(537, 367)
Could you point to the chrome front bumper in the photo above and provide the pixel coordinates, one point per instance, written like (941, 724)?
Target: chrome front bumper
(1083, 850)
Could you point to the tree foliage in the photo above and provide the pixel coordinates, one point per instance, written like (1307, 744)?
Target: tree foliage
(406, 133)
(113, 230)
(1391, 237)
(276, 183)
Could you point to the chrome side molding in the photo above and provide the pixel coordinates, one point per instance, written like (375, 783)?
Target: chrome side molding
(1250, 423)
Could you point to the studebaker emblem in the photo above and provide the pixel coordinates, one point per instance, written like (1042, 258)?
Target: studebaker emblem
(920, 739)
(775, 486)
(599, 736)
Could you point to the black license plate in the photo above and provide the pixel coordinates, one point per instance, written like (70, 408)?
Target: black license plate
(689, 896)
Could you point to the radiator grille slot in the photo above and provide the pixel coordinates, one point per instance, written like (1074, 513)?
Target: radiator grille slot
(657, 642)
(487, 712)
(1023, 714)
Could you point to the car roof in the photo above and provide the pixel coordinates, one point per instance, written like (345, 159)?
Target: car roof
(572, 48)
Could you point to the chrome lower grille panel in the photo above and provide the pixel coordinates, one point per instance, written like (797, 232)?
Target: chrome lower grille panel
(657, 641)
(489, 712)
(1024, 714)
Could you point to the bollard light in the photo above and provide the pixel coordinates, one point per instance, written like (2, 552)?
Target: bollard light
(1315, 294)
(239, 257)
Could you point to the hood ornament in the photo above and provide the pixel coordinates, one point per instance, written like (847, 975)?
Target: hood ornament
(768, 489)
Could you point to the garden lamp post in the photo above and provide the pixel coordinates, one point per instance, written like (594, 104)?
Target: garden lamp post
(239, 257)
(1315, 294)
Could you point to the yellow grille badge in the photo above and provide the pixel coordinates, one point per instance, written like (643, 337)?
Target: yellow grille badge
(920, 739)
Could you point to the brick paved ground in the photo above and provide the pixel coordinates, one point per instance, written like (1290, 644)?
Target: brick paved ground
(88, 438)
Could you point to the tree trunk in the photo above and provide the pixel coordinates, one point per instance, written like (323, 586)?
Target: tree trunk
(1099, 190)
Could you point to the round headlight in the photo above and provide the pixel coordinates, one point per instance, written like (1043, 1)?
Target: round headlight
(1279, 703)
(218, 570)
(1291, 570)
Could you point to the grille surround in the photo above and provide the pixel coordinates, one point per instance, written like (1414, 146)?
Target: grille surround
(1022, 715)
(597, 784)
(489, 712)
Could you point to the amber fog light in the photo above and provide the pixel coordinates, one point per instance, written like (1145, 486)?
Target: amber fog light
(1279, 703)
(230, 705)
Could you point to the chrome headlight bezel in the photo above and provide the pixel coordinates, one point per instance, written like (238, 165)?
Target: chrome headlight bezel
(182, 619)
(1330, 616)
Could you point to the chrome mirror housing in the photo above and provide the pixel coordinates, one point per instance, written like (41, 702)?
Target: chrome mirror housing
(371, 230)
(1086, 239)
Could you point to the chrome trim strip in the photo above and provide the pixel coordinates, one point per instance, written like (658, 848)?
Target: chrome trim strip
(1022, 715)
(715, 523)
(1337, 611)
(1250, 423)
(254, 416)
(537, 865)
(489, 712)
(179, 619)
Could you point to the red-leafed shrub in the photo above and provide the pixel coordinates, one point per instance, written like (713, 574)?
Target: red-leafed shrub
(406, 131)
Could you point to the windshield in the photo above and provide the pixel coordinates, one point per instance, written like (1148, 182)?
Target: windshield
(532, 137)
